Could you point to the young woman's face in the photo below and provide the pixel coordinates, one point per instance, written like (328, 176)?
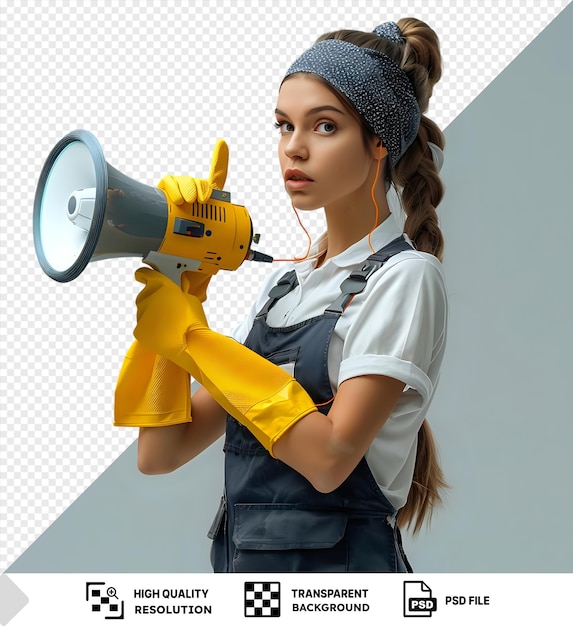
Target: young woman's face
(322, 155)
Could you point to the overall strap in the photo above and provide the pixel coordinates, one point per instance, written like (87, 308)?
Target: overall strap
(356, 282)
(349, 287)
(285, 285)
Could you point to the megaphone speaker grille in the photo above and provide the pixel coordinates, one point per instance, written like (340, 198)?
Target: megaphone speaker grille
(69, 206)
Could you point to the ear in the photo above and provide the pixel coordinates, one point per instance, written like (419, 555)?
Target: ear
(378, 150)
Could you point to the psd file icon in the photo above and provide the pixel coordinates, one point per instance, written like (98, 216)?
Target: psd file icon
(418, 600)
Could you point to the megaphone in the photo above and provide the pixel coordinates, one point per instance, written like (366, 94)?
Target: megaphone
(85, 210)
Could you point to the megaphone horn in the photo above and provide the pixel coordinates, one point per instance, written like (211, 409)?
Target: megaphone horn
(85, 210)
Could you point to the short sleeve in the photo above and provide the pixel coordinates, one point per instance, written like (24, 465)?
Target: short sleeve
(400, 327)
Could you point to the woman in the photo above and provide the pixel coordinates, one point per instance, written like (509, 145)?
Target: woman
(327, 450)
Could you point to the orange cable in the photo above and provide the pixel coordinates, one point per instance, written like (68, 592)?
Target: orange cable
(377, 211)
(307, 236)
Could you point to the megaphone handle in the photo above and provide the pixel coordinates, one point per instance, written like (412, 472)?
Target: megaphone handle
(171, 266)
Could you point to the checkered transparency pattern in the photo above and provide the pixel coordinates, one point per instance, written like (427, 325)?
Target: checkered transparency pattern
(158, 82)
(262, 599)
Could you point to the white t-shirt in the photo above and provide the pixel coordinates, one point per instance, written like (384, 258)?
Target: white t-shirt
(396, 327)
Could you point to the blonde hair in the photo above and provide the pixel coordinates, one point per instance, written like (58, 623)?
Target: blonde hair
(421, 191)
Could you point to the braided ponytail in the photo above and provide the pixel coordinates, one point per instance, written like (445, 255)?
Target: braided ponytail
(422, 190)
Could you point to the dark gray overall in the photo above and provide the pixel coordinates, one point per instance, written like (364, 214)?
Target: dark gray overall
(271, 519)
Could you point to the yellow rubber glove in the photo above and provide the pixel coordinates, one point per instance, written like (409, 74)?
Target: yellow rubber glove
(259, 394)
(151, 390)
(185, 189)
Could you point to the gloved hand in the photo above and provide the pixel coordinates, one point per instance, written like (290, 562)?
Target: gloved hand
(165, 313)
(259, 394)
(151, 390)
(185, 189)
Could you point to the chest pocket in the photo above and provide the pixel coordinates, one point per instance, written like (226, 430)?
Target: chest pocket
(285, 359)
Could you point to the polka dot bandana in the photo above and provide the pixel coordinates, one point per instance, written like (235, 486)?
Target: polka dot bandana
(379, 90)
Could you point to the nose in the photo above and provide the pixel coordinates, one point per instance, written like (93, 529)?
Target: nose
(295, 146)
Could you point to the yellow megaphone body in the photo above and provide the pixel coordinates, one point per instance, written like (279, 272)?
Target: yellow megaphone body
(205, 237)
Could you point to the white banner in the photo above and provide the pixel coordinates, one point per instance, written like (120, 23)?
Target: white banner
(99, 599)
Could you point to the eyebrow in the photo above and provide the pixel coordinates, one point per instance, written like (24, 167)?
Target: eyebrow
(319, 109)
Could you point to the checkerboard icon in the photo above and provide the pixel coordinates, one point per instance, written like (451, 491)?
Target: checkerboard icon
(262, 599)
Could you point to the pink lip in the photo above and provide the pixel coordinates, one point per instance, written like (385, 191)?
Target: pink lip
(289, 174)
(295, 179)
